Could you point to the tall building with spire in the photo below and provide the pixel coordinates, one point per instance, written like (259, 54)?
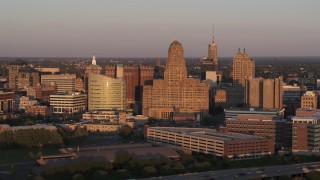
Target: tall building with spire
(213, 53)
(92, 68)
(176, 92)
(210, 65)
(243, 68)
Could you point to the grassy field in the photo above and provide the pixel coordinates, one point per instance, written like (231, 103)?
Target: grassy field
(22, 154)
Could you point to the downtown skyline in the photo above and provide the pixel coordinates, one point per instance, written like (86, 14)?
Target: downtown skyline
(143, 28)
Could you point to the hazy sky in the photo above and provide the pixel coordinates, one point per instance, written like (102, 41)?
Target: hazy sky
(145, 28)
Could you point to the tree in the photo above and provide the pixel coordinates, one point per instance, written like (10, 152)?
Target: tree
(165, 170)
(178, 168)
(149, 171)
(125, 131)
(122, 173)
(122, 159)
(78, 177)
(100, 175)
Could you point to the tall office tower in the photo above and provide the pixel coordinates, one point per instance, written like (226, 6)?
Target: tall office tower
(243, 67)
(106, 93)
(13, 74)
(213, 54)
(135, 77)
(309, 100)
(22, 77)
(176, 92)
(264, 93)
(131, 76)
(65, 82)
(92, 68)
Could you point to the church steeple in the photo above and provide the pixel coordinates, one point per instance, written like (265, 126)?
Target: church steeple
(94, 62)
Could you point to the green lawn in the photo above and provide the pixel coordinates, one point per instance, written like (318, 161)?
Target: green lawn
(21, 154)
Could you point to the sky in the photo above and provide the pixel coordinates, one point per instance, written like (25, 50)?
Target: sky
(145, 28)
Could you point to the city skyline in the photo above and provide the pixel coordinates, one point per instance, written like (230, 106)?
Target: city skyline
(143, 28)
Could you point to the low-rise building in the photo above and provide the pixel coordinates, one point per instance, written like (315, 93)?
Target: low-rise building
(68, 103)
(4, 127)
(234, 112)
(306, 131)
(39, 110)
(208, 141)
(274, 127)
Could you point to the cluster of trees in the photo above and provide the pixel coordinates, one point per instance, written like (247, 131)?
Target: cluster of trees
(29, 138)
(70, 136)
(123, 167)
(125, 131)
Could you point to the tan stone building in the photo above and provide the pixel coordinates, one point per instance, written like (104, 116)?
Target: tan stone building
(309, 100)
(176, 92)
(264, 93)
(22, 77)
(243, 67)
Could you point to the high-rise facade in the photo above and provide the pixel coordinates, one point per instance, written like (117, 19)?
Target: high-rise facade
(92, 68)
(213, 54)
(176, 92)
(106, 93)
(264, 93)
(243, 67)
(135, 77)
(309, 100)
(22, 77)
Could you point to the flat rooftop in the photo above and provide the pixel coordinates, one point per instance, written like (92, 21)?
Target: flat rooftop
(209, 134)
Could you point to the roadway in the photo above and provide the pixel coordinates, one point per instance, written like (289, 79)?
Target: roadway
(248, 173)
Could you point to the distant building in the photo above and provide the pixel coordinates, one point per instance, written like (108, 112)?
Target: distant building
(92, 68)
(65, 82)
(25, 101)
(208, 141)
(39, 110)
(7, 102)
(68, 103)
(176, 92)
(44, 91)
(106, 93)
(79, 85)
(22, 77)
(309, 100)
(243, 68)
(48, 70)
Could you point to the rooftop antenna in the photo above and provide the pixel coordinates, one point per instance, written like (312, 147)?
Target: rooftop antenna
(212, 33)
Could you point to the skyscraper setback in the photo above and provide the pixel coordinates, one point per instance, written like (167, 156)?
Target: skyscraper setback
(176, 92)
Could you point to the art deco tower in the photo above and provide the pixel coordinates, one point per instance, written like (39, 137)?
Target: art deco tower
(176, 65)
(176, 92)
(213, 53)
(243, 68)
